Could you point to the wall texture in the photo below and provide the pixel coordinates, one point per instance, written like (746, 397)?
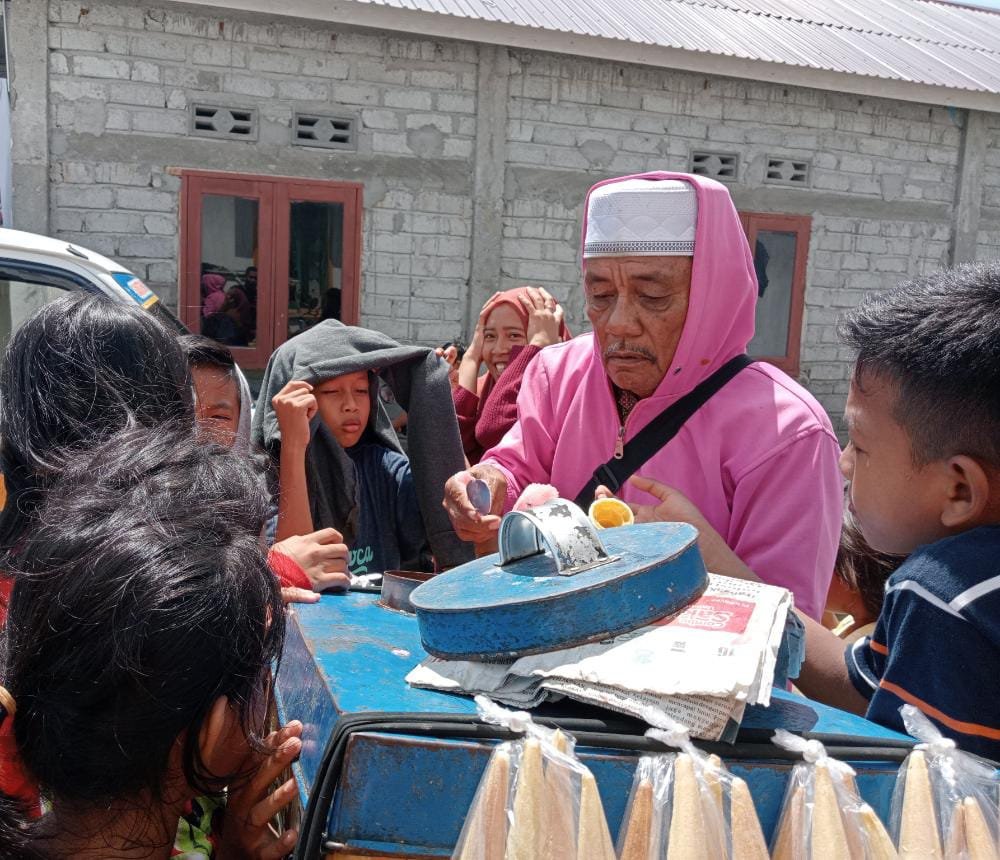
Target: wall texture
(453, 134)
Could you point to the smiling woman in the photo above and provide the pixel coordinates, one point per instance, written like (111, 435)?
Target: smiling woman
(513, 327)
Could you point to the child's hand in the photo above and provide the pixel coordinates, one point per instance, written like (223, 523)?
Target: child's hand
(246, 825)
(295, 406)
(323, 556)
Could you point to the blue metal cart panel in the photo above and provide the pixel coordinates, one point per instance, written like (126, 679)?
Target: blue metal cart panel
(409, 795)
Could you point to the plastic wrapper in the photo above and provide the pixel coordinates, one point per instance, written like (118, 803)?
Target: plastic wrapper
(535, 800)
(944, 806)
(687, 806)
(823, 817)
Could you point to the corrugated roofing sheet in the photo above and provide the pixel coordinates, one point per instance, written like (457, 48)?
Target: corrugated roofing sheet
(916, 41)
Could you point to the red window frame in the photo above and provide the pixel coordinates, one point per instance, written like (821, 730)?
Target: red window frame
(274, 195)
(801, 226)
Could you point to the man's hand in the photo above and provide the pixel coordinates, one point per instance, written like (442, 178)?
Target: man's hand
(545, 317)
(295, 406)
(323, 556)
(246, 828)
(468, 523)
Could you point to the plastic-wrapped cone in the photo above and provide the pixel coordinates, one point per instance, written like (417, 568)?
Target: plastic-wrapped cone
(593, 840)
(847, 788)
(955, 839)
(712, 779)
(486, 838)
(791, 837)
(880, 845)
(747, 837)
(560, 816)
(639, 828)
(688, 836)
(918, 831)
(978, 839)
(528, 837)
(828, 838)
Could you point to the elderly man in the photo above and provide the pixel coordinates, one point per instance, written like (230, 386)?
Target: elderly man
(670, 291)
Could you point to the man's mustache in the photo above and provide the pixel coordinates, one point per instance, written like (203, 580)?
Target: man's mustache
(624, 348)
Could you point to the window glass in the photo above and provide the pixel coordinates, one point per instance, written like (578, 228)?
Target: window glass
(315, 265)
(19, 300)
(229, 269)
(774, 262)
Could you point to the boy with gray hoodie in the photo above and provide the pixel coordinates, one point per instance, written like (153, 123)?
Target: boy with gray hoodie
(339, 460)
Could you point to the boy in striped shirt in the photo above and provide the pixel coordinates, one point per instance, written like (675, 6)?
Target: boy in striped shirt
(923, 463)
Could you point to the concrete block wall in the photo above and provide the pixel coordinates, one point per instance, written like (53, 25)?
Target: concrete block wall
(122, 78)
(988, 247)
(882, 185)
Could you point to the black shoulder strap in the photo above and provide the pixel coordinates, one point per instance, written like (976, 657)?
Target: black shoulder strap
(658, 432)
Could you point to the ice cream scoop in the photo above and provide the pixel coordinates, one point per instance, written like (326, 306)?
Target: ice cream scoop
(479, 495)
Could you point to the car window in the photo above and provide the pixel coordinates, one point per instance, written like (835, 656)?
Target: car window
(19, 300)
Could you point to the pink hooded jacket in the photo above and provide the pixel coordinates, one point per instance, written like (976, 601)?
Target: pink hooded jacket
(759, 459)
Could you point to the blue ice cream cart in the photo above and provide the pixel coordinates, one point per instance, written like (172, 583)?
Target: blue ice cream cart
(388, 770)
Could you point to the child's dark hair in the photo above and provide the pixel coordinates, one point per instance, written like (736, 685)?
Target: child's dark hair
(141, 596)
(78, 370)
(936, 341)
(863, 569)
(200, 351)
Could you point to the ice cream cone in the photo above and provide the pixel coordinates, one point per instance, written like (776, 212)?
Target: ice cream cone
(918, 831)
(747, 837)
(593, 839)
(688, 836)
(880, 845)
(639, 828)
(828, 837)
(791, 837)
(610, 513)
(486, 838)
(560, 827)
(528, 838)
(978, 838)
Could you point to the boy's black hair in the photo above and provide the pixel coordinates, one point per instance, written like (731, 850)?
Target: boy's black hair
(936, 340)
(201, 351)
(141, 596)
(78, 370)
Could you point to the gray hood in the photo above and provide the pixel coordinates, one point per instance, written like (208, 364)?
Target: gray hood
(419, 381)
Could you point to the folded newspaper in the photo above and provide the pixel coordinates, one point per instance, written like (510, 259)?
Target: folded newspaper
(700, 667)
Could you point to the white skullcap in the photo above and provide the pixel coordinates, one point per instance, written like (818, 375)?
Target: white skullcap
(641, 218)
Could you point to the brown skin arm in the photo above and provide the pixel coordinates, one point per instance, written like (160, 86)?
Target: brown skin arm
(824, 673)
(294, 515)
(294, 407)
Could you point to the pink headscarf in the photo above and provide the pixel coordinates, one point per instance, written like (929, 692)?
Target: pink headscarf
(213, 295)
(512, 298)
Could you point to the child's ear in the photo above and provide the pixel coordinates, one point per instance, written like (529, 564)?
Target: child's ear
(215, 732)
(968, 492)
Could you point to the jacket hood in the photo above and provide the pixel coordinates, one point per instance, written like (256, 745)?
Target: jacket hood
(720, 317)
(419, 381)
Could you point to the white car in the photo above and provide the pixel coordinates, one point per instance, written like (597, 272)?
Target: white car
(35, 270)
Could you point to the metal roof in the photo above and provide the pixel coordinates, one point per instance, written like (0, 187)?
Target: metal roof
(909, 40)
(921, 50)
(918, 41)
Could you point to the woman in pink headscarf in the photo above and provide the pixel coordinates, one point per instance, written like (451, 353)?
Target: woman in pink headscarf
(513, 327)
(213, 294)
